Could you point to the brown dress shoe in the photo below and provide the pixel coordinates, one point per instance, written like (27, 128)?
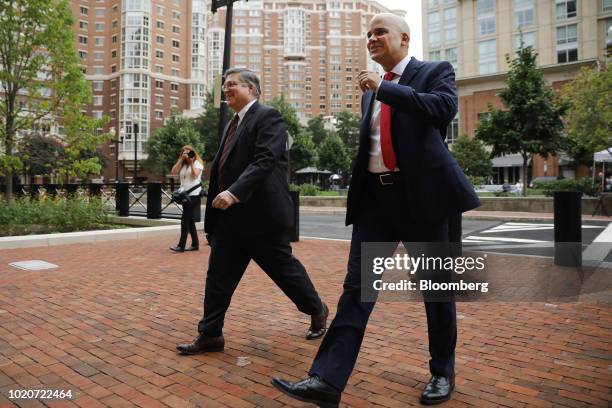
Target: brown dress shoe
(202, 344)
(318, 324)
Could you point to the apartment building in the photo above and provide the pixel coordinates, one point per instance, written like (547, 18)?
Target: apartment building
(148, 57)
(476, 35)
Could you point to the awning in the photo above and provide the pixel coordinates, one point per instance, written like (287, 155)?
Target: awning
(510, 160)
(312, 170)
(603, 156)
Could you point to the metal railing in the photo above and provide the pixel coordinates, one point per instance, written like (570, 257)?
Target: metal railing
(152, 200)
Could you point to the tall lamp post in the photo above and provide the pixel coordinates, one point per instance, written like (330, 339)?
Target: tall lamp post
(118, 141)
(135, 131)
(223, 112)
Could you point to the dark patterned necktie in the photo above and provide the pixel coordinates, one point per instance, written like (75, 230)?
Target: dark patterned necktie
(231, 132)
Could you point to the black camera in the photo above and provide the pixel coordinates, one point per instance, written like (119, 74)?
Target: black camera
(191, 154)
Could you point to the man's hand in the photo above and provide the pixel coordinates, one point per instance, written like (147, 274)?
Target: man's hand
(224, 200)
(368, 80)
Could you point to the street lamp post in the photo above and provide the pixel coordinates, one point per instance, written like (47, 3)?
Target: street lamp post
(223, 111)
(135, 131)
(118, 140)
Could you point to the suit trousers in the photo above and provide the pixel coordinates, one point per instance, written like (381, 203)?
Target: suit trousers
(230, 254)
(383, 217)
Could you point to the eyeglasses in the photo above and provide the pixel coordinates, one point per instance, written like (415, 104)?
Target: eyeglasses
(229, 85)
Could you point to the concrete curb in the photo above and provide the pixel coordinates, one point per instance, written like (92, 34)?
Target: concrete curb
(155, 228)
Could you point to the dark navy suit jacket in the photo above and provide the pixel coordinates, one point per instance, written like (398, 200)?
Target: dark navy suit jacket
(423, 103)
(256, 173)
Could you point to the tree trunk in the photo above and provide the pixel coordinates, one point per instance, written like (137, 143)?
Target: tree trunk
(524, 187)
(8, 177)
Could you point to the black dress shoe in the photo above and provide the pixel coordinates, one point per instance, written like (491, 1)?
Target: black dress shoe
(177, 248)
(438, 390)
(192, 248)
(313, 390)
(202, 344)
(318, 324)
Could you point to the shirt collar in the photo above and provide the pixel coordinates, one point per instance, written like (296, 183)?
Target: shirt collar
(244, 110)
(401, 66)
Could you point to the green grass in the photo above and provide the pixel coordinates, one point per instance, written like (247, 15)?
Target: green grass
(328, 193)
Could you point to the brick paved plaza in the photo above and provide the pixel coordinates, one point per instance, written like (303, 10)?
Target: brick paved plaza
(105, 324)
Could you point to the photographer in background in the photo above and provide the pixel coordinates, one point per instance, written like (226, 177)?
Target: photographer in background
(189, 167)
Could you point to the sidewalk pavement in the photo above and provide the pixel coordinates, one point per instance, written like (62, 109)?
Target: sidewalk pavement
(105, 324)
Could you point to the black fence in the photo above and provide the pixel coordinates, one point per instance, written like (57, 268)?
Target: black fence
(152, 200)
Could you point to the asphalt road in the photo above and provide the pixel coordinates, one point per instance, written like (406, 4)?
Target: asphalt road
(519, 238)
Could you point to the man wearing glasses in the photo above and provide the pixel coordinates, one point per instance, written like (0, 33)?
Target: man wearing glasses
(249, 213)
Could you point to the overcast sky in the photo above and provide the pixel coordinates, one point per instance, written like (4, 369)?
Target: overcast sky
(413, 16)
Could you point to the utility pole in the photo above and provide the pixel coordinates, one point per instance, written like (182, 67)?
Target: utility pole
(227, 45)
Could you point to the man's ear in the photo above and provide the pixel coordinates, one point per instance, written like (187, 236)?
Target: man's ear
(405, 39)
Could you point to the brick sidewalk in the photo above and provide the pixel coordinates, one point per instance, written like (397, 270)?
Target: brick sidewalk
(106, 322)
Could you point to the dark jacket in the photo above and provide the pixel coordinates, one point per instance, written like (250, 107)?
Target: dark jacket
(423, 103)
(255, 171)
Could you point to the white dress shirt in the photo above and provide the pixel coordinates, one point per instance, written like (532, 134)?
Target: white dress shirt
(376, 163)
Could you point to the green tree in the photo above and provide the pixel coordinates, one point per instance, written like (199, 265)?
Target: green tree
(303, 153)
(207, 126)
(163, 148)
(289, 115)
(347, 128)
(472, 157)
(531, 121)
(40, 154)
(317, 129)
(589, 117)
(333, 155)
(41, 77)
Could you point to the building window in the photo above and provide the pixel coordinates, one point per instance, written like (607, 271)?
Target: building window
(98, 70)
(451, 56)
(450, 25)
(83, 25)
(113, 83)
(159, 54)
(98, 100)
(159, 69)
(159, 84)
(452, 131)
(176, 29)
(100, 12)
(175, 58)
(99, 41)
(485, 10)
(174, 87)
(566, 9)
(159, 24)
(100, 26)
(82, 39)
(98, 85)
(176, 44)
(567, 43)
(487, 57)
(528, 40)
(114, 54)
(176, 15)
(97, 114)
(114, 39)
(174, 102)
(160, 10)
(523, 13)
(159, 115)
(83, 54)
(175, 72)
(432, 3)
(434, 55)
(433, 28)
(159, 39)
(98, 56)
(84, 10)
(159, 100)
(607, 5)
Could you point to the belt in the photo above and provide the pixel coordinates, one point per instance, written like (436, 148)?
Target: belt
(385, 179)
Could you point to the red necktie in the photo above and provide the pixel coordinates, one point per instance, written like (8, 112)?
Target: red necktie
(386, 145)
